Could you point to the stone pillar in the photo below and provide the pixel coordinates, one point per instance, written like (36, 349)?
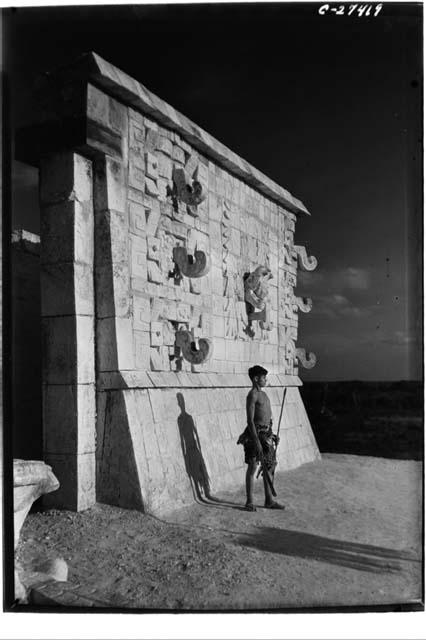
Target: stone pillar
(67, 307)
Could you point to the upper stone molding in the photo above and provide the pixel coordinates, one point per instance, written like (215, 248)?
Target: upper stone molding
(118, 84)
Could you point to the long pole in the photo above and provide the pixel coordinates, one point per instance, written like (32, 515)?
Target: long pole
(281, 414)
(278, 431)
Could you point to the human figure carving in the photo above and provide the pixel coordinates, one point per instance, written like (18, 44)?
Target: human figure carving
(256, 296)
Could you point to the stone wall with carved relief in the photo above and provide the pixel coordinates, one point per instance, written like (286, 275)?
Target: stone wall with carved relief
(193, 280)
(199, 283)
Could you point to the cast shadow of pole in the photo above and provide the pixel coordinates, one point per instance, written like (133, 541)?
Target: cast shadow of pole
(193, 457)
(353, 555)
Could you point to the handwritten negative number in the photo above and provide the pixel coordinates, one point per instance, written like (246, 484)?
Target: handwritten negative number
(357, 9)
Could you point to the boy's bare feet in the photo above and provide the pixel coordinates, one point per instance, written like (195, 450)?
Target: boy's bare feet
(250, 507)
(274, 505)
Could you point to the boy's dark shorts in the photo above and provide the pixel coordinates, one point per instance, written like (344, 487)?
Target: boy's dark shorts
(266, 440)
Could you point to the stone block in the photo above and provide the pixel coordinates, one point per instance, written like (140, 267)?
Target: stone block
(150, 125)
(169, 310)
(152, 212)
(219, 348)
(156, 334)
(151, 166)
(169, 334)
(113, 290)
(163, 188)
(165, 145)
(151, 137)
(235, 244)
(142, 349)
(273, 262)
(67, 289)
(151, 188)
(154, 248)
(76, 475)
(136, 136)
(183, 312)
(110, 186)
(135, 195)
(165, 166)
(137, 218)
(97, 105)
(141, 285)
(136, 177)
(69, 415)
(178, 154)
(138, 257)
(65, 176)
(141, 311)
(68, 350)
(159, 359)
(112, 241)
(165, 405)
(216, 280)
(154, 272)
(195, 286)
(115, 344)
(118, 117)
(136, 116)
(67, 233)
(203, 174)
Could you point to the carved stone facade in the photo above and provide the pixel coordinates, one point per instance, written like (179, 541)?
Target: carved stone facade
(181, 269)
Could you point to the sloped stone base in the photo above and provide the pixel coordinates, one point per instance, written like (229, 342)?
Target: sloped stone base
(161, 448)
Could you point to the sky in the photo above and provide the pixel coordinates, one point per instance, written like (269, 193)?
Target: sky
(328, 106)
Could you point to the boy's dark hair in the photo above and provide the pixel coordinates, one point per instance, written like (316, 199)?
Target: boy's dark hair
(257, 370)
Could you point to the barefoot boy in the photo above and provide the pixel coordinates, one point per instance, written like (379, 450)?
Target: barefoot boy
(258, 438)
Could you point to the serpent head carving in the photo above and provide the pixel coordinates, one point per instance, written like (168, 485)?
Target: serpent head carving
(190, 266)
(191, 194)
(196, 354)
(306, 263)
(308, 361)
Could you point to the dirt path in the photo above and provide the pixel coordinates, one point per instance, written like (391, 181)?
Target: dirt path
(350, 535)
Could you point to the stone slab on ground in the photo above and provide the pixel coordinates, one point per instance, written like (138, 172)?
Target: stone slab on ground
(350, 535)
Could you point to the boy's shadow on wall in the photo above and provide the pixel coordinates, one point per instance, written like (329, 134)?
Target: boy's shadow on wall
(193, 457)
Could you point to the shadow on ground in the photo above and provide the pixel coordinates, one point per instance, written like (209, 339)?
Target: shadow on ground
(363, 557)
(381, 419)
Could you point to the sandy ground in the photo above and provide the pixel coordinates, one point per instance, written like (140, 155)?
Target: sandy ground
(350, 535)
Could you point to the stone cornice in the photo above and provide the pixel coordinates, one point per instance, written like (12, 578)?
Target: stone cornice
(120, 85)
(170, 379)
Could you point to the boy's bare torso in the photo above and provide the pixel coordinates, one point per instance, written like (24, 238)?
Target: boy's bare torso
(262, 407)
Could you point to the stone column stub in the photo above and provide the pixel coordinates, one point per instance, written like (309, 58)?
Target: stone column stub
(67, 291)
